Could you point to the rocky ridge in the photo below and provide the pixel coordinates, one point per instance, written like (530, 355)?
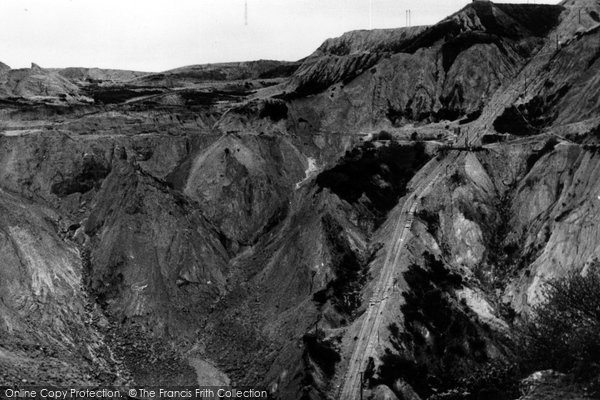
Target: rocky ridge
(237, 218)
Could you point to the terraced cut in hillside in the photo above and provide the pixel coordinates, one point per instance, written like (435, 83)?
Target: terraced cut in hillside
(394, 216)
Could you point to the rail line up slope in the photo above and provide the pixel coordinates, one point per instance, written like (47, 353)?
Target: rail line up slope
(365, 343)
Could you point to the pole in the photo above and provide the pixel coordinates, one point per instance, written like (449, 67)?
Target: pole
(246, 12)
(361, 385)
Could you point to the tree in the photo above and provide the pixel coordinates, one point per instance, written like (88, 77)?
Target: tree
(564, 332)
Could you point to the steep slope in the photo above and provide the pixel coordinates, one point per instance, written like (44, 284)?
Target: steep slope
(285, 226)
(302, 279)
(342, 59)
(145, 281)
(556, 214)
(243, 182)
(446, 71)
(51, 331)
(558, 87)
(372, 41)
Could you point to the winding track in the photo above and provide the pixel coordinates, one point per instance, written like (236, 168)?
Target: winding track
(365, 343)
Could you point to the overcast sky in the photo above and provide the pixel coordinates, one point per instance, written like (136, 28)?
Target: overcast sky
(155, 35)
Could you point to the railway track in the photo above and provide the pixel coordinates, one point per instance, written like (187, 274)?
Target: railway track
(367, 338)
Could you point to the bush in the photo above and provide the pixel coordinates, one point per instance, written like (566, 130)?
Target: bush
(457, 178)
(383, 135)
(324, 351)
(274, 109)
(495, 380)
(563, 333)
(379, 174)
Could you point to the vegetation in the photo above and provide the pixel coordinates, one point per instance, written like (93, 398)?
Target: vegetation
(274, 109)
(206, 98)
(447, 355)
(350, 271)
(383, 135)
(377, 174)
(92, 173)
(503, 255)
(280, 71)
(531, 118)
(323, 351)
(117, 94)
(431, 220)
(457, 178)
(563, 333)
(492, 381)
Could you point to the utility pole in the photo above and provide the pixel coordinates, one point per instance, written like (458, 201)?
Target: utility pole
(246, 13)
(362, 384)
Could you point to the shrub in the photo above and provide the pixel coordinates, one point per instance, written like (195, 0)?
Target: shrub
(563, 333)
(383, 135)
(457, 178)
(349, 268)
(431, 220)
(380, 174)
(324, 351)
(274, 109)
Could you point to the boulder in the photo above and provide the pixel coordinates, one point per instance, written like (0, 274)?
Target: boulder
(382, 392)
(404, 391)
(538, 378)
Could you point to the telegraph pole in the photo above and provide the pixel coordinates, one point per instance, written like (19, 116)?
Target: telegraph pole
(362, 383)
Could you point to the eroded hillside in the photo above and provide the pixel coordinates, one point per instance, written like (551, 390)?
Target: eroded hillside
(379, 216)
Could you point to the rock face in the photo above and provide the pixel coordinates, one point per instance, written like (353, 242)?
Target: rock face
(372, 41)
(134, 212)
(240, 222)
(549, 208)
(342, 59)
(383, 392)
(51, 332)
(242, 183)
(446, 71)
(34, 82)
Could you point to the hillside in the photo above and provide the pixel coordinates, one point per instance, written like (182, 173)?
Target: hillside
(382, 216)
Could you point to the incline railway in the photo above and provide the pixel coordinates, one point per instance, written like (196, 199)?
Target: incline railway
(369, 326)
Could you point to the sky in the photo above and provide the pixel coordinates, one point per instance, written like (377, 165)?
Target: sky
(156, 35)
